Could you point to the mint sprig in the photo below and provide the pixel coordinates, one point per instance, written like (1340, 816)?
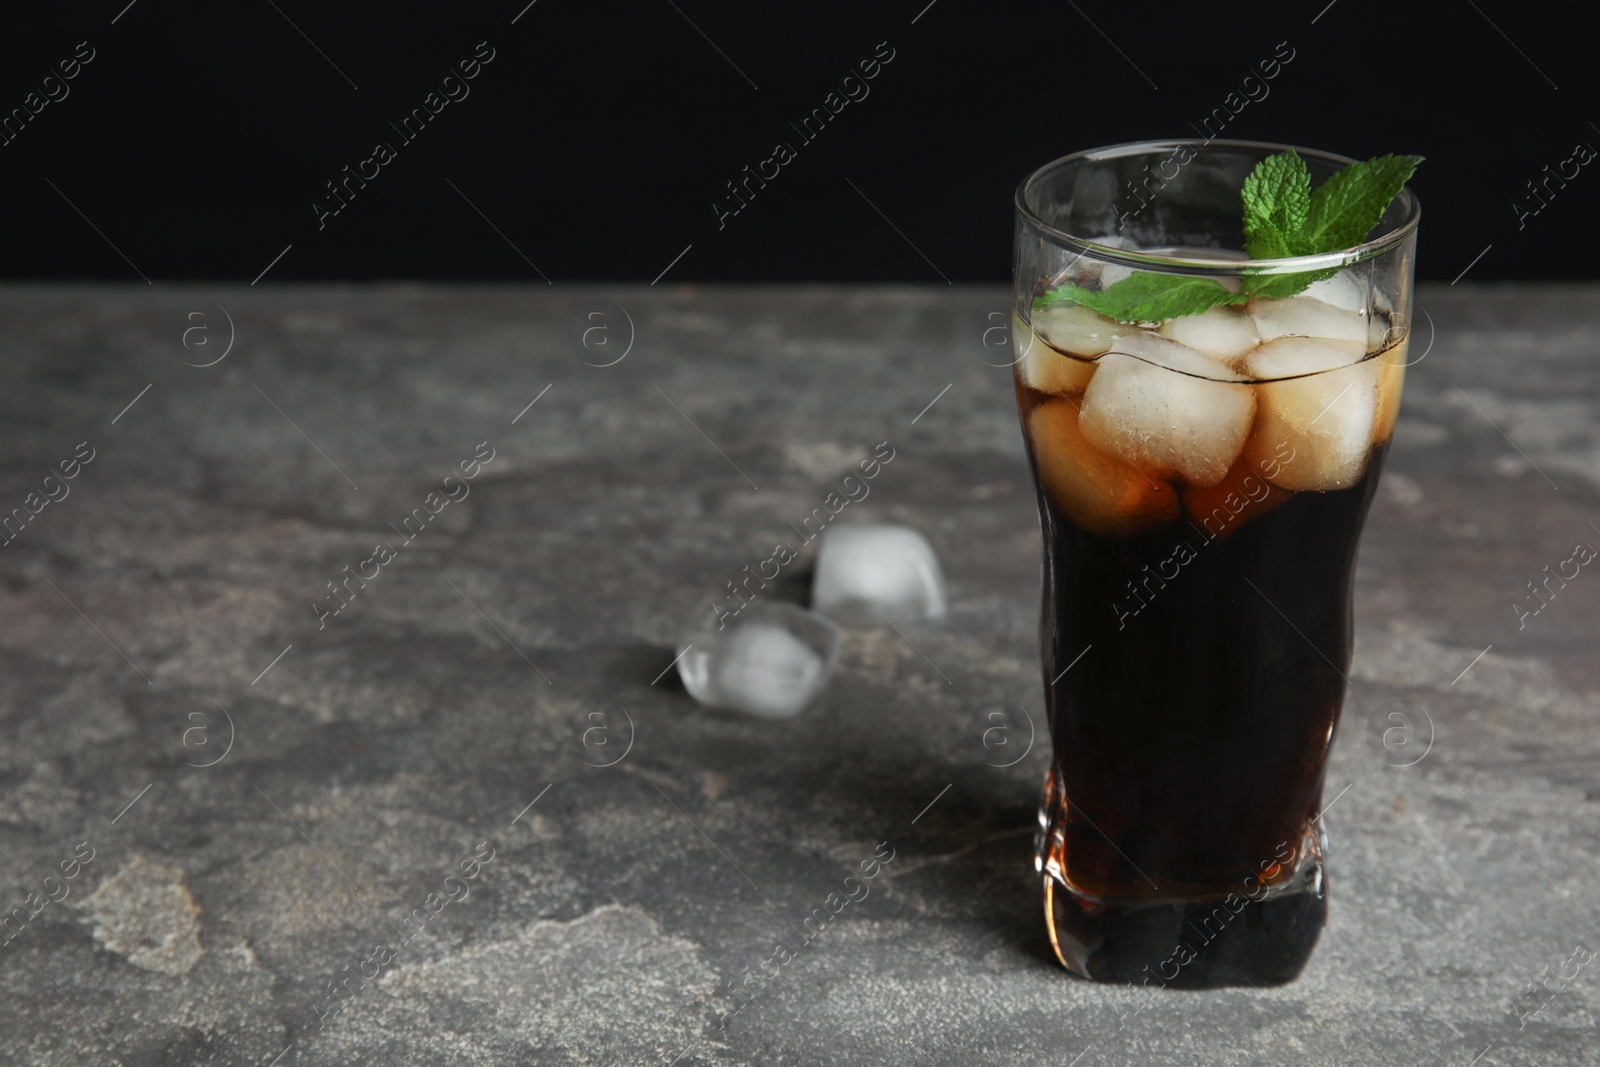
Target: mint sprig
(1277, 198)
(1347, 206)
(1283, 217)
(1144, 297)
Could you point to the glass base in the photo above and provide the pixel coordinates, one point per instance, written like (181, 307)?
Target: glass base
(1222, 941)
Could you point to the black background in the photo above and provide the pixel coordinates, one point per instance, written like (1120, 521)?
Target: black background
(601, 133)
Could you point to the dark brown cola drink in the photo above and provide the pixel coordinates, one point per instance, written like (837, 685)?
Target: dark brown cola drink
(1201, 521)
(1208, 378)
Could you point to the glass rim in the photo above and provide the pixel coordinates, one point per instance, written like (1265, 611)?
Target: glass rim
(1411, 208)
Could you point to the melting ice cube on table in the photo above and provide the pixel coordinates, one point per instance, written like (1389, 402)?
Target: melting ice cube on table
(867, 568)
(769, 660)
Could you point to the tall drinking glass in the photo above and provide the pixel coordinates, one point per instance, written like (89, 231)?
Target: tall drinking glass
(1202, 485)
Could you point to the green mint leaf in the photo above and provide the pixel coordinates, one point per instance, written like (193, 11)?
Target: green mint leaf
(1055, 297)
(1347, 206)
(1283, 217)
(1278, 286)
(1277, 198)
(1144, 296)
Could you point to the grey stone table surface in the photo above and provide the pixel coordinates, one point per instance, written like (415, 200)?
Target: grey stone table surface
(218, 800)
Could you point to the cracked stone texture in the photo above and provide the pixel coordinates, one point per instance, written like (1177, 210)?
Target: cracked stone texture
(145, 913)
(296, 818)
